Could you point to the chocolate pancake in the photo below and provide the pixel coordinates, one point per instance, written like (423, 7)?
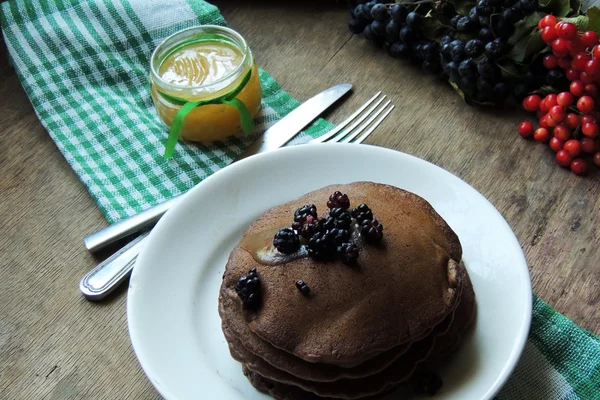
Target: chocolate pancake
(398, 292)
(398, 372)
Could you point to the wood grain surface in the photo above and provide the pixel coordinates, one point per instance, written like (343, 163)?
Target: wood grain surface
(56, 345)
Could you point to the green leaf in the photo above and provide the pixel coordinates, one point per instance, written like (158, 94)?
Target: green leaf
(559, 8)
(581, 21)
(576, 6)
(527, 47)
(593, 14)
(525, 27)
(545, 90)
(463, 7)
(455, 86)
(433, 28)
(510, 70)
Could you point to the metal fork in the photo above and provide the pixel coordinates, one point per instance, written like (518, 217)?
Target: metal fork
(108, 275)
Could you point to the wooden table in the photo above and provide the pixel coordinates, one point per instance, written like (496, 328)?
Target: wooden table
(56, 345)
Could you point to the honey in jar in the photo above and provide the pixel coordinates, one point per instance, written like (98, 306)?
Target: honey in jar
(204, 84)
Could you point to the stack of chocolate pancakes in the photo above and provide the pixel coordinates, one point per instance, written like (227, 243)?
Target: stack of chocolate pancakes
(364, 329)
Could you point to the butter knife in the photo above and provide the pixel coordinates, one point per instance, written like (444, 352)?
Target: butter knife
(107, 276)
(273, 138)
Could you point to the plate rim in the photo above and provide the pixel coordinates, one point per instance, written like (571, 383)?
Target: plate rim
(187, 201)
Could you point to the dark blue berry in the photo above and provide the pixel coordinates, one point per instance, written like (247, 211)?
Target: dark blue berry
(494, 49)
(484, 21)
(467, 68)
(520, 91)
(393, 29)
(399, 13)
(413, 19)
(399, 50)
(555, 76)
(454, 20)
(406, 34)
(380, 12)
(464, 24)
(528, 6)
(486, 35)
(248, 289)
(487, 69)
(378, 28)
(357, 25)
(484, 86)
(432, 66)
(451, 69)
(446, 51)
(457, 50)
(500, 92)
(474, 48)
(484, 9)
(368, 33)
(446, 40)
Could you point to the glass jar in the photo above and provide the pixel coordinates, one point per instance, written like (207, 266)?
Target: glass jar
(204, 84)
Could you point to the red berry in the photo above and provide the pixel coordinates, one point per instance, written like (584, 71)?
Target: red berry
(591, 90)
(551, 122)
(556, 144)
(573, 147)
(562, 133)
(549, 34)
(564, 99)
(548, 20)
(586, 78)
(564, 62)
(544, 121)
(532, 102)
(539, 114)
(597, 159)
(572, 120)
(585, 118)
(567, 30)
(550, 61)
(541, 135)
(590, 129)
(592, 67)
(560, 46)
(589, 39)
(585, 104)
(577, 88)
(579, 166)
(563, 158)
(525, 129)
(550, 100)
(588, 145)
(580, 60)
(557, 113)
(576, 46)
(596, 51)
(572, 74)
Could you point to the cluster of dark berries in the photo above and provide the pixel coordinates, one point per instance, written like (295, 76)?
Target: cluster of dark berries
(468, 55)
(248, 288)
(329, 237)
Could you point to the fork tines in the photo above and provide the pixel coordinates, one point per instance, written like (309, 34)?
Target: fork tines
(361, 122)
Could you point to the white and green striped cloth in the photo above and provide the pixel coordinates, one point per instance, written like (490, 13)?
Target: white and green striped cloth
(84, 66)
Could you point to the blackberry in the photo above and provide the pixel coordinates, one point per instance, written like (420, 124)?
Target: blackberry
(399, 13)
(303, 288)
(474, 48)
(303, 212)
(339, 236)
(338, 199)
(413, 19)
(286, 241)
(324, 224)
(362, 213)
(321, 245)
(341, 218)
(372, 231)
(428, 383)
(306, 228)
(248, 288)
(348, 252)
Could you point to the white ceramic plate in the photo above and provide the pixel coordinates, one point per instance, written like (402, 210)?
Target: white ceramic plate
(172, 300)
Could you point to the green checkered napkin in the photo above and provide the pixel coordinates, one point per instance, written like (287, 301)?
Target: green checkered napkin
(84, 66)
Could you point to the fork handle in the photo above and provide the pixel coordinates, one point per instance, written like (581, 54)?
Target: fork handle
(109, 274)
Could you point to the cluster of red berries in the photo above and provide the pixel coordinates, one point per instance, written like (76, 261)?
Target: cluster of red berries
(569, 121)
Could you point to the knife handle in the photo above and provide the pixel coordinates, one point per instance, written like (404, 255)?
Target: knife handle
(134, 224)
(108, 275)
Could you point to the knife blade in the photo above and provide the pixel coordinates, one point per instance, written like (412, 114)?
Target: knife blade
(273, 138)
(289, 126)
